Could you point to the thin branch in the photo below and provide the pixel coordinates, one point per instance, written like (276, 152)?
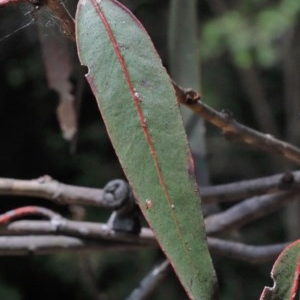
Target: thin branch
(47, 244)
(232, 218)
(58, 234)
(28, 211)
(150, 282)
(248, 253)
(48, 188)
(249, 188)
(97, 231)
(246, 211)
(236, 131)
(6, 2)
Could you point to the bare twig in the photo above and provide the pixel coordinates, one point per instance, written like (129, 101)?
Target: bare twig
(48, 244)
(28, 211)
(249, 253)
(232, 218)
(236, 131)
(6, 2)
(48, 188)
(58, 234)
(246, 211)
(150, 282)
(89, 230)
(24, 245)
(249, 188)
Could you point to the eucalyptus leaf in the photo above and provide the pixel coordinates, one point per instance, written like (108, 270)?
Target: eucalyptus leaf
(286, 275)
(138, 104)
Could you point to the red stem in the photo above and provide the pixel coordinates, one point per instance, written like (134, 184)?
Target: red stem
(26, 211)
(295, 286)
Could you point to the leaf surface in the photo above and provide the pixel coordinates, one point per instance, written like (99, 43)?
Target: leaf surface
(286, 275)
(139, 107)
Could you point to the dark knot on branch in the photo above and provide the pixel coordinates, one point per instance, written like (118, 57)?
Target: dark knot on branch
(117, 195)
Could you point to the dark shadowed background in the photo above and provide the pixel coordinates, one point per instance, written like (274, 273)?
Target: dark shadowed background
(250, 64)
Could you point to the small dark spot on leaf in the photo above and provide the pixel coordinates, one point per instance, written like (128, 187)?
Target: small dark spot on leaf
(145, 83)
(123, 46)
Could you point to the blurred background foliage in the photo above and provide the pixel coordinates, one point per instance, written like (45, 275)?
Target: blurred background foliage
(249, 58)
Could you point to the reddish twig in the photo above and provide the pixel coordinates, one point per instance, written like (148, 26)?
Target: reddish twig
(27, 211)
(6, 2)
(234, 130)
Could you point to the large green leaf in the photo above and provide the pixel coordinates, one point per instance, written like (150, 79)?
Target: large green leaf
(139, 107)
(286, 275)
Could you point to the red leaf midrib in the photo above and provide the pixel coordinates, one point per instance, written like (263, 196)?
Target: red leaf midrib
(141, 116)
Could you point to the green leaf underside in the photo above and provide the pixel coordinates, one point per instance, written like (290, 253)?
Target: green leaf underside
(286, 275)
(139, 108)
